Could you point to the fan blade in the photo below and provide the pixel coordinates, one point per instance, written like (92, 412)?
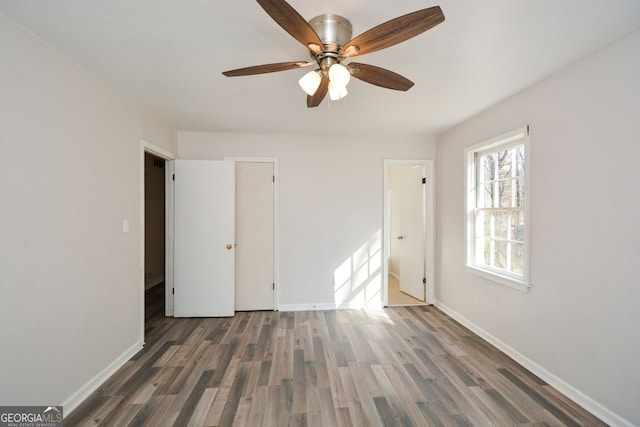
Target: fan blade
(394, 31)
(267, 68)
(379, 76)
(315, 99)
(291, 21)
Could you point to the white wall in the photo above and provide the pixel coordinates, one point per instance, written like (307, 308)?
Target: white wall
(331, 207)
(580, 321)
(70, 285)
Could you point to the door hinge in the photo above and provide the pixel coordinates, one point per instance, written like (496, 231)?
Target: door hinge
(424, 280)
(173, 291)
(424, 180)
(273, 178)
(173, 177)
(273, 286)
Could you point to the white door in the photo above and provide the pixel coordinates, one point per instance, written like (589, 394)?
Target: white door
(254, 236)
(411, 237)
(204, 238)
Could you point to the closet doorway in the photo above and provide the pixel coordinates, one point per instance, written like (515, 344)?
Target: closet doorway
(408, 232)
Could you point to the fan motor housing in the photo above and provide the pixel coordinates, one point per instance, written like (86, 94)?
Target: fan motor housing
(333, 30)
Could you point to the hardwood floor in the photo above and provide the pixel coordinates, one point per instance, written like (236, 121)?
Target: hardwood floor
(397, 297)
(410, 366)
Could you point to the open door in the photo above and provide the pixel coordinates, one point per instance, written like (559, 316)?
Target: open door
(408, 232)
(411, 238)
(204, 238)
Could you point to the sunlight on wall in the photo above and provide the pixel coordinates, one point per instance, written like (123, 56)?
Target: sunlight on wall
(357, 281)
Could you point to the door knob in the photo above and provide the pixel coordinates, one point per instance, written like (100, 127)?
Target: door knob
(229, 246)
(400, 237)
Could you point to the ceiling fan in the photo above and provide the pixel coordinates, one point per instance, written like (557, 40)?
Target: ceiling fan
(328, 38)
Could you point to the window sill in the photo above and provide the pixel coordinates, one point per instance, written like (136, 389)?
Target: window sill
(497, 278)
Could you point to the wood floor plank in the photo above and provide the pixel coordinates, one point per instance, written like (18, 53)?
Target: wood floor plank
(537, 397)
(122, 375)
(327, 408)
(363, 392)
(188, 406)
(93, 411)
(235, 395)
(215, 409)
(285, 402)
(396, 406)
(409, 366)
(299, 392)
(354, 400)
(491, 408)
(514, 414)
(258, 404)
(155, 413)
(407, 393)
(145, 412)
(565, 404)
(431, 416)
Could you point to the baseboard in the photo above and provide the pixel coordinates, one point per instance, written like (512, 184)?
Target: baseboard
(80, 395)
(391, 273)
(571, 392)
(307, 307)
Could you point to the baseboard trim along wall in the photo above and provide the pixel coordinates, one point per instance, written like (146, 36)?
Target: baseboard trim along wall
(307, 307)
(571, 392)
(85, 391)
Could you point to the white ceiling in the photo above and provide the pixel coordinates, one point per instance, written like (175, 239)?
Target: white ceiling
(168, 56)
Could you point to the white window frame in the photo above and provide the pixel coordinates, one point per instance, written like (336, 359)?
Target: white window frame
(516, 137)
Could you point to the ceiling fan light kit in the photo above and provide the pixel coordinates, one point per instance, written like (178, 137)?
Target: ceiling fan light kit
(329, 40)
(339, 74)
(310, 82)
(337, 91)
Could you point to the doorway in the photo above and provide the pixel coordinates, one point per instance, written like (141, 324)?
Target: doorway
(156, 277)
(408, 229)
(154, 236)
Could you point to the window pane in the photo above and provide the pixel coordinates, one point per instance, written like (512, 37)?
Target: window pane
(500, 255)
(483, 252)
(519, 192)
(517, 258)
(485, 244)
(488, 163)
(505, 193)
(486, 200)
(484, 221)
(501, 224)
(517, 225)
(505, 163)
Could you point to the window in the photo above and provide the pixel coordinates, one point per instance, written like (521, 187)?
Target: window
(497, 209)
